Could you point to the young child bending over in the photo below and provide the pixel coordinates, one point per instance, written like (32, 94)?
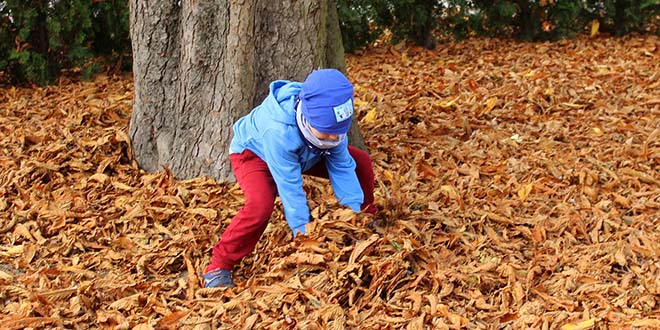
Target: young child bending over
(300, 128)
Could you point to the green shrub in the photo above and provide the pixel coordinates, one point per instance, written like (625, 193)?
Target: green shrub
(531, 20)
(39, 38)
(111, 33)
(620, 17)
(362, 21)
(356, 23)
(414, 20)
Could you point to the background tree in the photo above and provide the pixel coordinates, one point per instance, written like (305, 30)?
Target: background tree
(200, 65)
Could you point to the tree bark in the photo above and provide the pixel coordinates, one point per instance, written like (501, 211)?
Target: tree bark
(620, 27)
(201, 64)
(528, 23)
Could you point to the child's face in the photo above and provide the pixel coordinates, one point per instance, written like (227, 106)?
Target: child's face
(324, 136)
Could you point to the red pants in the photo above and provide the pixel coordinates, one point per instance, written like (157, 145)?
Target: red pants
(254, 178)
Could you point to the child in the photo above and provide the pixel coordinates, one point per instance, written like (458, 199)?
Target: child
(300, 128)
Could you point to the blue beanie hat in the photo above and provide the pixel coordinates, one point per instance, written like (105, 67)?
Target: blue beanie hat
(327, 101)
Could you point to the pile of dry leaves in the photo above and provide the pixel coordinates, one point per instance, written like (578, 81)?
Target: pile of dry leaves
(519, 187)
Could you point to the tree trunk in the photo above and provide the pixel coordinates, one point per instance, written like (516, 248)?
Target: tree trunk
(528, 23)
(620, 27)
(38, 39)
(201, 64)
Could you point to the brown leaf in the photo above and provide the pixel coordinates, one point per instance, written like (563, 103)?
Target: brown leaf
(305, 258)
(361, 247)
(204, 212)
(171, 321)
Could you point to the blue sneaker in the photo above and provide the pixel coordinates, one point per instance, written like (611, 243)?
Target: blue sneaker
(218, 278)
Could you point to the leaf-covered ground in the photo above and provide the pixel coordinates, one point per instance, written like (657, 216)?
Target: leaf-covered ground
(519, 186)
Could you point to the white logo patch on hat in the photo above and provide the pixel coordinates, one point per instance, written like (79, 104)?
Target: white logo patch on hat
(344, 110)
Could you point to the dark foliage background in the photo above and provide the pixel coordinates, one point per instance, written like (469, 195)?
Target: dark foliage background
(423, 21)
(42, 39)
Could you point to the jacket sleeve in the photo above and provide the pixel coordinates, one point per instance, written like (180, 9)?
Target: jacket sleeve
(282, 160)
(341, 170)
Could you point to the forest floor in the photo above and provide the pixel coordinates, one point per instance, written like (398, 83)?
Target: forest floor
(519, 187)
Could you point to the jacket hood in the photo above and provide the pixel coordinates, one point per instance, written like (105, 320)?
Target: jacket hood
(281, 100)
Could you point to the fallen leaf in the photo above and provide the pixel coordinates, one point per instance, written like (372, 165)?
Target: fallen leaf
(595, 24)
(586, 324)
(525, 190)
(204, 212)
(370, 117)
(450, 191)
(490, 104)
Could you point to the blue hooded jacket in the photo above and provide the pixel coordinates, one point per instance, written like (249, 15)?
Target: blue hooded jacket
(271, 132)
